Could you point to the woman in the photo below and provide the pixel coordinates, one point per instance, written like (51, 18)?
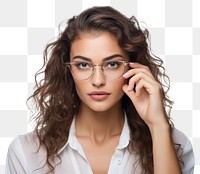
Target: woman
(102, 107)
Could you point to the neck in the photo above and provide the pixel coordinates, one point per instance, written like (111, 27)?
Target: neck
(99, 126)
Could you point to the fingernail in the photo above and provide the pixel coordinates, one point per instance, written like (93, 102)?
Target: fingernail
(129, 89)
(125, 75)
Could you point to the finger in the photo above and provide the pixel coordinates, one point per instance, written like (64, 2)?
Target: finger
(136, 78)
(132, 72)
(130, 94)
(150, 87)
(143, 84)
(136, 68)
(138, 65)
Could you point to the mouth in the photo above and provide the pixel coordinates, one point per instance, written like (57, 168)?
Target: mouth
(99, 95)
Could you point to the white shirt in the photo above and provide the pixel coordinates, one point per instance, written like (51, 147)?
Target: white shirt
(23, 158)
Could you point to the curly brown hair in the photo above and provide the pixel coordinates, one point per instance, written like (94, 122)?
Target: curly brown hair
(55, 96)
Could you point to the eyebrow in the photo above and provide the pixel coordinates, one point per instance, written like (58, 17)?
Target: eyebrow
(104, 59)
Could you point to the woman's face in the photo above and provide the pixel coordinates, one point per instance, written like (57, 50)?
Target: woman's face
(98, 92)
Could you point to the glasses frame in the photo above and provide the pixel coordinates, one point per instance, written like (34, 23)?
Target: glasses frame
(68, 64)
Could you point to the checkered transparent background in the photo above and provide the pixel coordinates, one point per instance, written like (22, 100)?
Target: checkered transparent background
(26, 26)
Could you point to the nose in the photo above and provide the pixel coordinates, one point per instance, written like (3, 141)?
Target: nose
(98, 78)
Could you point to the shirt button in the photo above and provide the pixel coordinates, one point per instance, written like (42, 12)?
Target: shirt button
(119, 162)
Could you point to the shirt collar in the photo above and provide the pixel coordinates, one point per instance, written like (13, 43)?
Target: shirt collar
(71, 137)
(123, 141)
(125, 135)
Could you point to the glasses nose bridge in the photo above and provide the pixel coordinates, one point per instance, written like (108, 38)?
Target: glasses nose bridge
(94, 69)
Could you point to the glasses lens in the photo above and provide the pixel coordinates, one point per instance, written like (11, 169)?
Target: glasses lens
(81, 70)
(114, 69)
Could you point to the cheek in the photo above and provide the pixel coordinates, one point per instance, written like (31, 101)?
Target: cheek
(117, 85)
(80, 87)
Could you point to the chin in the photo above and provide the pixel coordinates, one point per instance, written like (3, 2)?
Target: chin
(99, 109)
(102, 107)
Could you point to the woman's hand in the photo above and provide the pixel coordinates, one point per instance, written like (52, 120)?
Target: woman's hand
(147, 97)
(148, 102)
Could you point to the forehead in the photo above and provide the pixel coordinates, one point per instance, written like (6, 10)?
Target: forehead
(95, 45)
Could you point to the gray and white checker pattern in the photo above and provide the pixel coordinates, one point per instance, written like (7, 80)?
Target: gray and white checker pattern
(26, 26)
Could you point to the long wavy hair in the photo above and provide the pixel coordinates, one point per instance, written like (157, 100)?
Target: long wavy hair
(55, 96)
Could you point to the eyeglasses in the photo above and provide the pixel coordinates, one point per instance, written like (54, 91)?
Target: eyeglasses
(84, 70)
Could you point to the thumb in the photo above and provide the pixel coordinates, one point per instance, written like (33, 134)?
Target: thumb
(131, 94)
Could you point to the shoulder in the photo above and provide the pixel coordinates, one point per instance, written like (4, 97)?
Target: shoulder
(25, 155)
(179, 137)
(24, 146)
(22, 141)
(184, 151)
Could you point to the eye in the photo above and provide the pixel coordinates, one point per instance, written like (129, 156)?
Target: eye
(112, 64)
(83, 65)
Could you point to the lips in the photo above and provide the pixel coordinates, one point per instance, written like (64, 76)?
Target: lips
(99, 95)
